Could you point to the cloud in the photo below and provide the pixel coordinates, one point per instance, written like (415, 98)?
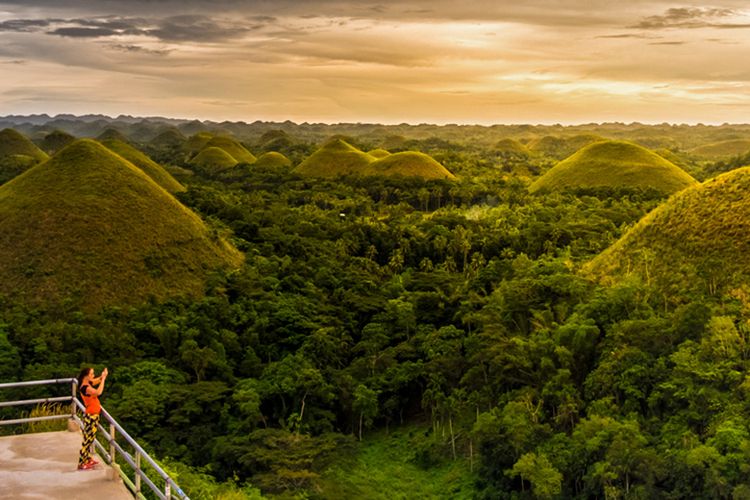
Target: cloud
(691, 17)
(83, 32)
(192, 28)
(24, 25)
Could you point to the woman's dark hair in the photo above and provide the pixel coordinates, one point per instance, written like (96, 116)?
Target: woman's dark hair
(82, 375)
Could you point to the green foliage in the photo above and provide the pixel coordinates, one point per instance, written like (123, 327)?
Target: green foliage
(212, 160)
(15, 143)
(723, 149)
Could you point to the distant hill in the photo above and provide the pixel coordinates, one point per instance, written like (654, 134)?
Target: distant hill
(561, 147)
(378, 153)
(614, 164)
(698, 240)
(196, 142)
(170, 138)
(233, 148)
(15, 143)
(335, 158)
(89, 229)
(149, 166)
(723, 149)
(512, 147)
(410, 164)
(272, 159)
(112, 134)
(55, 141)
(213, 160)
(275, 140)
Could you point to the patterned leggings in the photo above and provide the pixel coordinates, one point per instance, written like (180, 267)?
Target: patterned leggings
(89, 434)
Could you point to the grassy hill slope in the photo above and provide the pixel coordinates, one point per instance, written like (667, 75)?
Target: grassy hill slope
(213, 160)
(698, 239)
(149, 166)
(89, 229)
(15, 143)
(272, 159)
(410, 164)
(512, 146)
(614, 164)
(55, 141)
(723, 149)
(233, 148)
(334, 159)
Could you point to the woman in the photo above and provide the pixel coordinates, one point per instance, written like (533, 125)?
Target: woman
(90, 395)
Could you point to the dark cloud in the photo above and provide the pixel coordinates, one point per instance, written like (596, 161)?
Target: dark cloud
(667, 43)
(137, 49)
(83, 32)
(183, 28)
(197, 29)
(626, 35)
(24, 25)
(690, 17)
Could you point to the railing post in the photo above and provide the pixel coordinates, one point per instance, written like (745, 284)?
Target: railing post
(137, 473)
(72, 426)
(112, 449)
(168, 490)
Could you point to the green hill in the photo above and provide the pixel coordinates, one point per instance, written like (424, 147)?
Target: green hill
(149, 166)
(698, 240)
(512, 147)
(195, 143)
(213, 160)
(55, 141)
(170, 138)
(272, 159)
(335, 158)
(112, 134)
(275, 140)
(89, 229)
(378, 153)
(723, 149)
(410, 164)
(15, 143)
(233, 148)
(561, 147)
(614, 164)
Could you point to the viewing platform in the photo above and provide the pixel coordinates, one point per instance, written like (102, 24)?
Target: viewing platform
(44, 466)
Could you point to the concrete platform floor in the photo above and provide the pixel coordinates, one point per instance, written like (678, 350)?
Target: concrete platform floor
(43, 466)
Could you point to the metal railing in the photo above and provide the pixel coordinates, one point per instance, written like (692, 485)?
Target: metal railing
(135, 460)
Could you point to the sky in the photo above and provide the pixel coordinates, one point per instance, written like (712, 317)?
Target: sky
(413, 61)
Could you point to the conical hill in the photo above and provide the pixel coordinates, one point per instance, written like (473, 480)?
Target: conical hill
(233, 148)
(512, 147)
(13, 143)
(336, 158)
(55, 141)
(272, 159)
(169, 138)
(213, 160)
(112, 134)
(723, 149)
(698, 240)
(379, 153)
(614, 164)
(89, 229)
(410, 164)
(149, 166)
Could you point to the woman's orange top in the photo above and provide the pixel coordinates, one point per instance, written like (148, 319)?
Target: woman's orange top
(93, 407)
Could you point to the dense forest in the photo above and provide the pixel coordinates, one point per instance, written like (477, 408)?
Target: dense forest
(449, 326)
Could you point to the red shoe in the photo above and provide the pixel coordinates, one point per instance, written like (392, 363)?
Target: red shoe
(86, 466)
(93, 461)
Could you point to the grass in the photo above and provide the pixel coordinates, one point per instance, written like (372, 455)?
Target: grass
(272, 159)
(723, 149)
(378, 153)
(14, 143)
(213, 160)
(47, 410)
(196, 142)
(112, 134)
(233, 148)
(512, 146)
(697, 240)
(410, 164)
(171, 137)
(90, 229)
(614, 164)
(55, 141)
(336, 158)
(384, 469)
(560, 147)
(149, 166)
